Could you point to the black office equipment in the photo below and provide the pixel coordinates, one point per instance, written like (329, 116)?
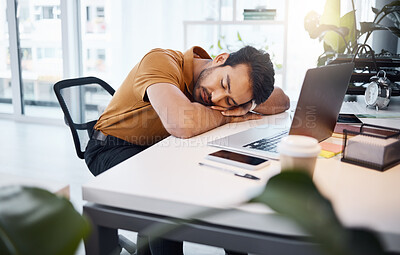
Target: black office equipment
(75, 108)
(365, 66)
(375, 147)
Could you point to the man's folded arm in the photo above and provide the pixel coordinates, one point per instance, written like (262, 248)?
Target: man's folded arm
(180, 117)
(277, 102)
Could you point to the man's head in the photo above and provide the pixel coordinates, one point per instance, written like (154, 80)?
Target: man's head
(235, 79)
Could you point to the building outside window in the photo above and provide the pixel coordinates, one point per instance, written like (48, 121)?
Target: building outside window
(95, 17)
(5, 72)
(41, 50)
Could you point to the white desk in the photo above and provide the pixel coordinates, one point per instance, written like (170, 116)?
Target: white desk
(166, 182)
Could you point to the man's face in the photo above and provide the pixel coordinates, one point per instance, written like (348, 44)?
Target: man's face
(224, 86)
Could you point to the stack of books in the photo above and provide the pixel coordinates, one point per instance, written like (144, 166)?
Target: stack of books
(259, 14)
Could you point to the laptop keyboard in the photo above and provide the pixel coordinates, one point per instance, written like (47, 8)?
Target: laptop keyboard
(268, 144)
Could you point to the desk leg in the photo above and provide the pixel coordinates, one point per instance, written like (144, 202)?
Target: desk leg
(102, 240)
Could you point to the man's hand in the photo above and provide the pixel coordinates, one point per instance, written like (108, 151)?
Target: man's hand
(239, 113)
(276, 103)
(247, 116)
(240, 110)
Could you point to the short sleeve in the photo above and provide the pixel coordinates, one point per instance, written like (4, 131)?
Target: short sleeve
(158, 66)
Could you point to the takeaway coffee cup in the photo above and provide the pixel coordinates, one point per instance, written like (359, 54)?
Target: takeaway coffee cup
(298, 152)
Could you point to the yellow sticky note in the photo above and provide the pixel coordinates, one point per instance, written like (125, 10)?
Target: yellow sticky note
(327, 154)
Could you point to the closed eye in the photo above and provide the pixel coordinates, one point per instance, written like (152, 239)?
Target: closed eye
(231, 102)
(222, 83)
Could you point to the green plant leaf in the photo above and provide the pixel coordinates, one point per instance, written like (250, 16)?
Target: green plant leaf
(323, 29)
(394, 3)
(363, 241)
(393, 13)
(331, 16)
(219, 44)
(394, 30)
(239, 37)
(347, 21)
(375, 10)
(305, 205)
(332, 33)
(328, 50)
(370, 26)
(293, 194)
(35, 221)
(394, 17)
(311, 24)
(390, 11)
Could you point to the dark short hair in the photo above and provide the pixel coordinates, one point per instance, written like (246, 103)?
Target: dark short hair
(261, 70)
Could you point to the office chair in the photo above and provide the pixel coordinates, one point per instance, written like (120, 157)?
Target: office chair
(75, 109)
(79, 99)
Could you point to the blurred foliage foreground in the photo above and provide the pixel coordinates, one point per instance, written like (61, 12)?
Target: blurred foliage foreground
(35, 221)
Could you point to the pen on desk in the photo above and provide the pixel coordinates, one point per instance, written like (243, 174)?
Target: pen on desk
(248, 176)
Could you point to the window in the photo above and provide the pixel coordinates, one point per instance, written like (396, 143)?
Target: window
(46, 12)
(49, 52)
(96, 40)
(101, 54)
(95, 60)
(41, 66)
(116, 34)
(100, 12)
(88, 13)
(95, 22)
(5, 72)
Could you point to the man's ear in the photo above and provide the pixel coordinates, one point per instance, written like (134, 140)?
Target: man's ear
(220, 59)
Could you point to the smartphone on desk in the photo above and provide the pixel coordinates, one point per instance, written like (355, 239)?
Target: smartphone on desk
(238, 159)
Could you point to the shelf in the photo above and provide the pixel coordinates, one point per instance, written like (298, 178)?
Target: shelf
(210, 31)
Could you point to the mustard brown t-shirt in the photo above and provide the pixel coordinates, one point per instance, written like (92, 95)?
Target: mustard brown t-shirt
(129, 115)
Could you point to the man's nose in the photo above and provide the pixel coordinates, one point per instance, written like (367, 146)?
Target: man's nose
(217, 95)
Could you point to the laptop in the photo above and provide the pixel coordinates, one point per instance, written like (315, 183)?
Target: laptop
(317, 110)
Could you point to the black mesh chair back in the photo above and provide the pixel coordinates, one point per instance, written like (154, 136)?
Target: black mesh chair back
(82, 101)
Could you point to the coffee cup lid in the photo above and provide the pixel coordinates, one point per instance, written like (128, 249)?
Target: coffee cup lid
(299, 146)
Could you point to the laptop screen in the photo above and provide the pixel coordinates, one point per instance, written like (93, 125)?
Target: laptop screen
(320, 100)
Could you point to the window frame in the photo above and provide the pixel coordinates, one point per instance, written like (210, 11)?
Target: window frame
(71, 48)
